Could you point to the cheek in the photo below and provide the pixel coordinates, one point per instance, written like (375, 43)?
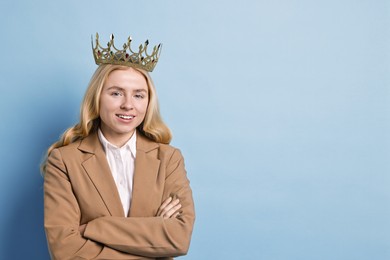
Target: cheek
(143, 106)
(146, 106)
(105, 107)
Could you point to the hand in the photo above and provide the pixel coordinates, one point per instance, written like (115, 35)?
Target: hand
(169, 208)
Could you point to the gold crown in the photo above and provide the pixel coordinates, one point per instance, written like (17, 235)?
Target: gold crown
(127, 57)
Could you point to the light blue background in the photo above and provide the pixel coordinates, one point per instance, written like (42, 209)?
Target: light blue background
(281, 108)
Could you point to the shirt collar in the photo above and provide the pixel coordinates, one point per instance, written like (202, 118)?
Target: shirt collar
(130, 144)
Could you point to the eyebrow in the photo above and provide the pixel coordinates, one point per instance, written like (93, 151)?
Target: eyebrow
(141, 90)
(122, 89)
(115, 87)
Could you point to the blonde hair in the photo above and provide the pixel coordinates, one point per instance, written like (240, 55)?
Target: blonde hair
(152, 127)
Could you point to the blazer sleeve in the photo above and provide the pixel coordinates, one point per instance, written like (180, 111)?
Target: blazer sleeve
(152, 236)
(62, 218)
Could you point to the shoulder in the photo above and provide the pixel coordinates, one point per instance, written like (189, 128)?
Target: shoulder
(58, 156)
(69, 152)
(68, 149)
(172, 153)
(162, 151)
(168, 148)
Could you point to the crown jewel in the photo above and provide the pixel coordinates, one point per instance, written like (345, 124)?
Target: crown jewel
(126, 56)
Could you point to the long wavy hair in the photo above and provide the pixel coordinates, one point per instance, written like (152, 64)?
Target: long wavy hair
(152, 126)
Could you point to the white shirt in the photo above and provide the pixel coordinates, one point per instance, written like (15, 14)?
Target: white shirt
(121, 162)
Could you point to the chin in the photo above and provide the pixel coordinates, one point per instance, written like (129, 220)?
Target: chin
(125, 131)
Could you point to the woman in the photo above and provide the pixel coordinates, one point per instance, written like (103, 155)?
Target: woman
(113, 187)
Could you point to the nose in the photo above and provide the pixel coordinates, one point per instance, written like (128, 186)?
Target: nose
(127, 103)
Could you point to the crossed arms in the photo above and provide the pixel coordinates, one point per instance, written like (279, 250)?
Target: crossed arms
(166, 234)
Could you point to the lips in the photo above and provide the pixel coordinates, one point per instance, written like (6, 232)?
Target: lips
(126, 117)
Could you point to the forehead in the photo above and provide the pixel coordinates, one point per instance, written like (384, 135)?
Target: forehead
(127, 79)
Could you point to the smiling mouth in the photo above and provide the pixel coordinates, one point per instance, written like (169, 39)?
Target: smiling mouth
(125, 117)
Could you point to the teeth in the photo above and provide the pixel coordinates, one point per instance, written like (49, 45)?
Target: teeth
(125, 117)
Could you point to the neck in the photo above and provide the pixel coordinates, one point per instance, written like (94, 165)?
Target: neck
(118, 140)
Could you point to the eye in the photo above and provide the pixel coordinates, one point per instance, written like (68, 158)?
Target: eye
(139, 96)
(116, 93)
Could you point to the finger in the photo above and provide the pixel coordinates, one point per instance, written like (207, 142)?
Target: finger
(165, 203)
(172, 211)
(176, 215)
(169, 207)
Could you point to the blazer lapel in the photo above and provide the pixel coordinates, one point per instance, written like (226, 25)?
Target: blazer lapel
(146, 169)
(99, 172)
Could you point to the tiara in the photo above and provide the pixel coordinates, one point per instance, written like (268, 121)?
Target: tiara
(126, 56)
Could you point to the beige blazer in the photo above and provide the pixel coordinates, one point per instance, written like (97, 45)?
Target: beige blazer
(79, 189)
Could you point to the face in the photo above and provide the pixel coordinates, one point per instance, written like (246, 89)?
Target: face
(123, 105)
